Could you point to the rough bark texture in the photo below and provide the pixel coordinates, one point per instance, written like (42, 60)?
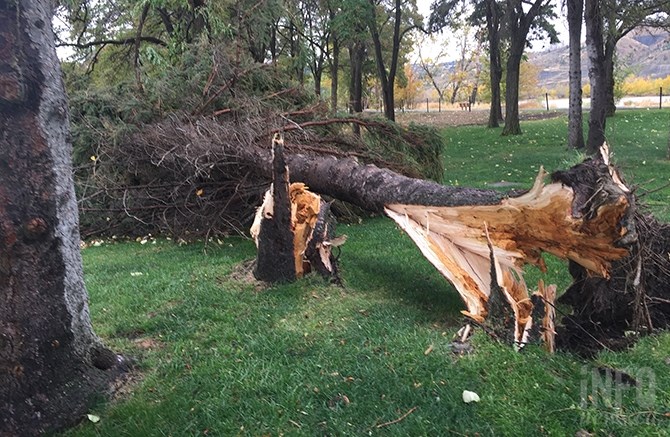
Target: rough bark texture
(518, 24)
(575, 123)
(372, 188)
(275, 261)
(387, 79)
(610, 52)
(367, 186)
(512, 125)
(493, 31)
(356, 57)
(51, 362)
(334, 59)
(597, 77)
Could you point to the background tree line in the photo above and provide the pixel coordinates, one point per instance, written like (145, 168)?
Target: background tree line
(364, 43)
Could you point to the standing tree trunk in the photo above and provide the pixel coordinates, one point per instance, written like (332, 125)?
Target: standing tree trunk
(518, 25)
(317, 81)
(575, 123)
(493, 30)
(356, 56)
(387, 79)
(334, 69)
(597, 75)
(51, 362)
(275, 261)
(512, 125)
(610, 53)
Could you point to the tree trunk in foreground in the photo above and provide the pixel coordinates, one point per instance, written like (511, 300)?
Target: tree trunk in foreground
(51, 362)
(480, 239)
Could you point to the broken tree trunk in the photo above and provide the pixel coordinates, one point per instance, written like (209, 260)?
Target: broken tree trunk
(293, 229)
(480, 240)
(275, 261)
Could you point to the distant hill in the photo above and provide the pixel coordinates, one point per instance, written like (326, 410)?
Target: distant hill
(645, 52)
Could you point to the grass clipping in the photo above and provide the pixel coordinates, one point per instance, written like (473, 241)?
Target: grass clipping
(482, 249)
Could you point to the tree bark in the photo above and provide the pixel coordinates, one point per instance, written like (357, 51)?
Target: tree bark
(334, 68)
(384, 78)
(356, 56)
(344, 179)
(597, 75)
(518, 25)
(387, 79)
(610, 52)
(51, 362)
(575, 118)
(275, 261)
(493, 30)
(512, 125)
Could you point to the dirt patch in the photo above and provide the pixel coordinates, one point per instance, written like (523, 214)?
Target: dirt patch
(147, 343)
(478, 117)
(243, 273)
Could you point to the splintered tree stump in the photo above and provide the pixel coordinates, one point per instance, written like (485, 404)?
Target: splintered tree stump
(275, 261)
(294, 230)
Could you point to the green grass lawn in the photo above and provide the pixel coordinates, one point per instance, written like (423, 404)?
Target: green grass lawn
(217, 356)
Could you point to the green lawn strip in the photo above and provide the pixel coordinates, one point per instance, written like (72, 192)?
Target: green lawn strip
(215, 355)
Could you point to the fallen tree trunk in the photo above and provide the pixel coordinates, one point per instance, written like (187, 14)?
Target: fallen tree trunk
(480, 239)
(595, 210)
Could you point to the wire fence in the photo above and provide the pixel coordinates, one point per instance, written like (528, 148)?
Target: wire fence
(542, 102)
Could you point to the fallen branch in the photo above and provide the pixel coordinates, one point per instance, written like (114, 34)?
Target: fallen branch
(118, 42)
(398, 420)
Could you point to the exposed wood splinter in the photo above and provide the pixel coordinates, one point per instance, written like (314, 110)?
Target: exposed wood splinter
(483, 248)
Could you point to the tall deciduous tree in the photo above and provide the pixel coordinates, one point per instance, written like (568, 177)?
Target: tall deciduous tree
(51, 362)
(575, 124)
(316, 31)
(606, 23)
(334, 58)
(519, 20)
(493, 14)
(403, 13)
(431, 69)
(488, 14)
(349, 23)
(620, 17)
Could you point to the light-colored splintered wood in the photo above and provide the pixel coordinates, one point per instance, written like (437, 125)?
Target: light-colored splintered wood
(548, 294)
(305, 207)
(454, 240)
